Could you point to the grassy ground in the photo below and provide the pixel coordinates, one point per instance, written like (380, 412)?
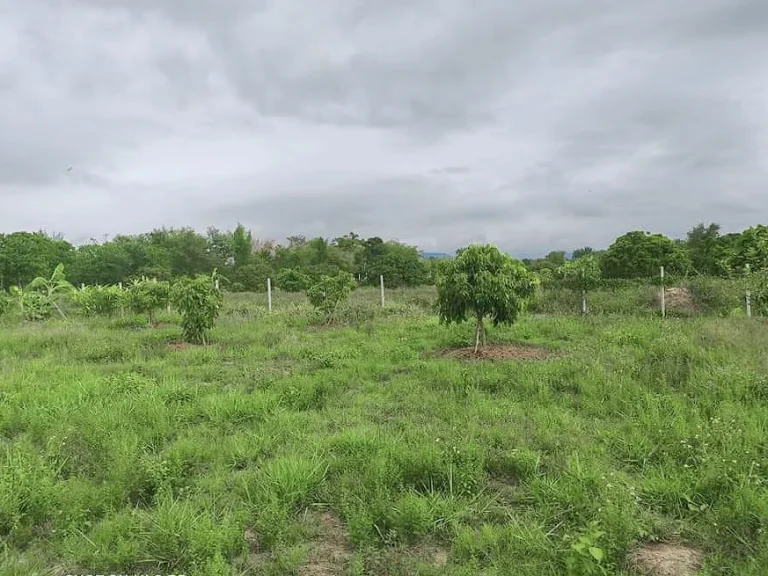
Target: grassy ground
(290, 448)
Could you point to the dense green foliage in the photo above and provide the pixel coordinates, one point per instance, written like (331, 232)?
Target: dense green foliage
(482, 282)
(245, 263)
(293, 280)
(99, 300)
(198, 301)
(281, 450)
(640, 254)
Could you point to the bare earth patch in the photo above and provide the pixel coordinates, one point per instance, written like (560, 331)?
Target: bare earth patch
(330, 553)
(679, 298)
(497, 352)
(433, 554)
(666, 559)
(178, 345)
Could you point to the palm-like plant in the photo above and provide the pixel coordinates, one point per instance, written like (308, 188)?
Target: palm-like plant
(53, 287)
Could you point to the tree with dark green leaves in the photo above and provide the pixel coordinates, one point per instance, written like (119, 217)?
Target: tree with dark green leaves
(242, 246)
(640, 254)
(751, 249)
(482, 282)
(293, 280)
(25, 256)
(581, 252)
(701, 242)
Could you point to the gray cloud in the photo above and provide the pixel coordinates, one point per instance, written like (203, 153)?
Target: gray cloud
(534, 124)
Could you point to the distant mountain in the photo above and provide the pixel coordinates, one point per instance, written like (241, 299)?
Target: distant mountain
(435, 255)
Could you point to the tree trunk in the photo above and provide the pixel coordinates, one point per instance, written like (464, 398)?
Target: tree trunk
(479, 329)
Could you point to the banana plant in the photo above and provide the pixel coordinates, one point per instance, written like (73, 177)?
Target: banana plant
(53, 287)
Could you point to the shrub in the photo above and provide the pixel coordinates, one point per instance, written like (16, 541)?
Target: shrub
(199, 303)
(330, 291)
(101, 300)
(34, 306)
(147, 296)
(759, 286)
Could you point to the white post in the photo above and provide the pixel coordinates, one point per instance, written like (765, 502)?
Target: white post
(584, 302)
(82, 286)
(120, 285)
(381, 283)
(663, 295)
(269, 294)
(216, 283)
(749, 304)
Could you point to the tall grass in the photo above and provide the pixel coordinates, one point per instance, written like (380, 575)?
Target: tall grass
(122, 453)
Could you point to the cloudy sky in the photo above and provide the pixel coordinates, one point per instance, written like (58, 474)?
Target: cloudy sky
(533, 124)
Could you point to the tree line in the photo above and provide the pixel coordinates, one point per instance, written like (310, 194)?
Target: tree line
(244, 263)
(639, 254)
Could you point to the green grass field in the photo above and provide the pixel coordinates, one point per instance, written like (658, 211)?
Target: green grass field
(287, 447)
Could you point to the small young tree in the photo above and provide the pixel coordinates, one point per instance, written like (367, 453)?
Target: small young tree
(482, 282)
(147, 296)
(580, 275)
(52, 288)
(330, 291)
(199, 302)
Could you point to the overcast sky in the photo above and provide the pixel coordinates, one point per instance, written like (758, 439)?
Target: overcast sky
(533, 124)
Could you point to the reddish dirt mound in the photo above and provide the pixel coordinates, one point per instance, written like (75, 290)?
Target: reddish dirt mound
(678, 298)
(497, 352)
(330, 554)
(666, 560)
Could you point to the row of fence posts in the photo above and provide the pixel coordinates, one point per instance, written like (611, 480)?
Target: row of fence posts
(747, 299)
(269, 291)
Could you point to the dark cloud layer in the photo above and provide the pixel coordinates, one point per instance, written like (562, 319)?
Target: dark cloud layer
(533, 124)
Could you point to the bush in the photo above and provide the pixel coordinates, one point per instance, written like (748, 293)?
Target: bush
(326, 294)
(101, 300)
(759, 285)
(199, 303)
(147, 296)
(36, 306)
(716, 296)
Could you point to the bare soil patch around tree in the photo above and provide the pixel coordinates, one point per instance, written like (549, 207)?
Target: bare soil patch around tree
(497, 352)
(666, 559)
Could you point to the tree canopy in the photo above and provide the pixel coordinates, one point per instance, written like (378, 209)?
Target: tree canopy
(245, 263)
(481, 282)
(639, 254)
